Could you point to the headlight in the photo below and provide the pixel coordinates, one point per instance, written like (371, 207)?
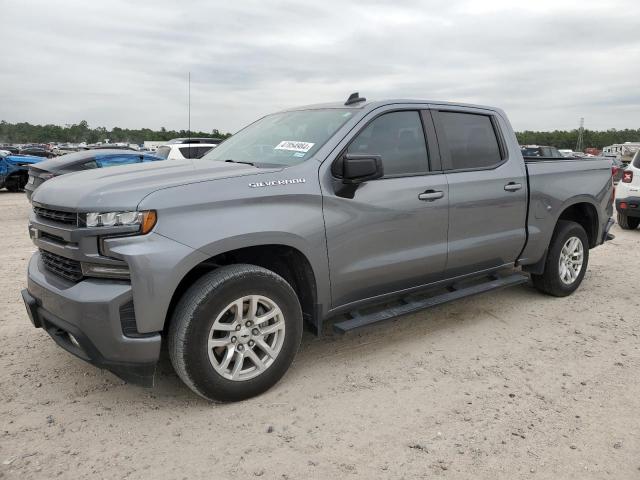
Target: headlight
(145, 219)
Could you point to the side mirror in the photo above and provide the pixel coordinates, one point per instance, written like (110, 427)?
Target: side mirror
(351, 170)
(358, 168)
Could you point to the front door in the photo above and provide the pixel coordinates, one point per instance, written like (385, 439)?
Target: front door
(392, 235)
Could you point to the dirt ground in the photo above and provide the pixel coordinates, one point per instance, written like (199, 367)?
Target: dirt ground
(511, 384)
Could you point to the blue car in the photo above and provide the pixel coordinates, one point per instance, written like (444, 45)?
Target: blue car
(14, 170)
(85, 160)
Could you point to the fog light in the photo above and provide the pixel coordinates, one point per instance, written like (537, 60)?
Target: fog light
(622, 205)
(105, 271)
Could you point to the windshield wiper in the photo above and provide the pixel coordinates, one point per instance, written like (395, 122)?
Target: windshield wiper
(238, 161)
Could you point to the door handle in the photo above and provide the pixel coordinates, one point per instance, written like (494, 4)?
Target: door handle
(512, 186)
(431, 195)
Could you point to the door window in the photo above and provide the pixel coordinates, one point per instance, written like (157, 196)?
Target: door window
(399, 139)
(471, 139)
(121, 160)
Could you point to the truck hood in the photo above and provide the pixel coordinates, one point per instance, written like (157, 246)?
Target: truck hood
(123, 187)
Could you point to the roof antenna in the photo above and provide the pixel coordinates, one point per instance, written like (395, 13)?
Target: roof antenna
(189, 114)
(355, 98)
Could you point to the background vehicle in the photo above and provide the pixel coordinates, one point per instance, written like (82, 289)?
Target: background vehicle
(84, 160)
(11, 149)
(538, 151)
(568, 153)
(37, 152)
(623, 151)
(628, 195)
(181, 148)
(365, 209)
(617, 168)
(13, 170)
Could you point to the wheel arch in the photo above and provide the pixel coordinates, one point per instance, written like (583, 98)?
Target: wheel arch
(585, 214)
(283, 259)
(582, 211)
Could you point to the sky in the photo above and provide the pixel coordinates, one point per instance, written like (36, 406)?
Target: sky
(118, 63)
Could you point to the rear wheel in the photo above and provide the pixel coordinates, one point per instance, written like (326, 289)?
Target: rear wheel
(628, 223)
(235, 332)
(13, 184)
(566, 261)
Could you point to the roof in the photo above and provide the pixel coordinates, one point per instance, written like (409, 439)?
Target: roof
(371, 105)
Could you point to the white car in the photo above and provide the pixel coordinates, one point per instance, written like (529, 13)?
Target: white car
(628, 195)
(181, 148)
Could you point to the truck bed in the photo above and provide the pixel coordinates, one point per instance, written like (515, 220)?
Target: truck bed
(556, 183)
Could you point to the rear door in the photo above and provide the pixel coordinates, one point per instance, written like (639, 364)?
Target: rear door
(392, 235)
(487, 190)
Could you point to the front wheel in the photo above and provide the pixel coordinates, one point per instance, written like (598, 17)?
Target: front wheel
(628, 223)
(566, 261)
(235, 332)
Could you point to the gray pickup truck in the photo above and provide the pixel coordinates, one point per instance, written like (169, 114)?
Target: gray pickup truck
(358, 211)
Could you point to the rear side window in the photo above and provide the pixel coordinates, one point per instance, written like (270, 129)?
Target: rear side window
(163, 152)
(115, 161)
(89, 165)
(399, 139)
(636, 159)
(471, 139)
(194, 152)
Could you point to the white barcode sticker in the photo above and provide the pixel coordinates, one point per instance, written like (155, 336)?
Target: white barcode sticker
(294, 146)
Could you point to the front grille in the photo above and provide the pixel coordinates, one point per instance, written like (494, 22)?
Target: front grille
(62, 266)
(68, 218)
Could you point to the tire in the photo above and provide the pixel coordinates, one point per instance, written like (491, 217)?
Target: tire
(628, 223)
(12, 184)
(207, 312)
(551, 281)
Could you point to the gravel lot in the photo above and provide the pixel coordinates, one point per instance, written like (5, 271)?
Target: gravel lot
(511, 384)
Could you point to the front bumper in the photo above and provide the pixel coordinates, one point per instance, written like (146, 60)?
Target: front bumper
(632, 208)
(84, 319)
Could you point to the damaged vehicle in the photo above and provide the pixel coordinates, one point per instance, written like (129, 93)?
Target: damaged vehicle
(14, 170)
(85, 160)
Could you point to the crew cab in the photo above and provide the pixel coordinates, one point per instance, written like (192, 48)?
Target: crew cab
(342, 214)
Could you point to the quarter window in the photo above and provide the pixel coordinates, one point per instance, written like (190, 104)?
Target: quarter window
(471, 139)
(194, 152)
(399, 139)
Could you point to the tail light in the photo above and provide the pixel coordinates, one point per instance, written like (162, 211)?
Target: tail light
(627, 176)
(614, 171)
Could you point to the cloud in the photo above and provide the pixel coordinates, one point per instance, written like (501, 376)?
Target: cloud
(545, 62)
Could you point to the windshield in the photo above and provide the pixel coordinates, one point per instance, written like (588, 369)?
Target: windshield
(530, 152)
(286, 139)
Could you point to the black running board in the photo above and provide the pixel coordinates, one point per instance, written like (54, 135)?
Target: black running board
(411, 304)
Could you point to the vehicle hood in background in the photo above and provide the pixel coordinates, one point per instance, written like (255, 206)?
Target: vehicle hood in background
(19, 160)
(123, 187)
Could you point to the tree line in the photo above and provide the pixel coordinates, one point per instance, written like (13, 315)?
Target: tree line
(25, 132)
(81, 132)
(569, 138)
